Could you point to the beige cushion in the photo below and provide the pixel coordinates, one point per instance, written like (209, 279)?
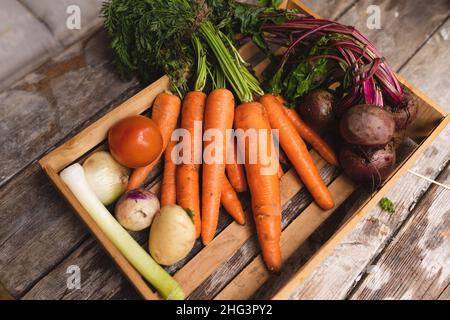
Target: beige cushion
(25, 42)
(54, 14)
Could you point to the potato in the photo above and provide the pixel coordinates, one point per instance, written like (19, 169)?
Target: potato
(172, 235)
(367, 125)
(363, 164)
(316, 108)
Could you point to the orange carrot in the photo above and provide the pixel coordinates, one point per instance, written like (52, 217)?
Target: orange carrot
(187, 174)
(231, 203)
(219, 113)
(297, 153)
(166, 109)
(168, 185)
(264, 188)
(236, 174)
(310, 136)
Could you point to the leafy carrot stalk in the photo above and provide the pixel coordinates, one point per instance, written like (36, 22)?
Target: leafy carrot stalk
(219, 114)
(166, 110)
(296, 150)
(236, 174)
(187, 174)
(264, 188)
(231, 203)
(168, 186)
(310, 136)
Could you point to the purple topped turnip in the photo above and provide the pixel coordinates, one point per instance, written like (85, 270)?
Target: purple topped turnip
(136, 208)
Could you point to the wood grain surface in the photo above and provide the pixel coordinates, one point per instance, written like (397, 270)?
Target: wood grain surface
(40, 237)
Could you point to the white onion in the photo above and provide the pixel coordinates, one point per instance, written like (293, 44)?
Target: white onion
(106, 177)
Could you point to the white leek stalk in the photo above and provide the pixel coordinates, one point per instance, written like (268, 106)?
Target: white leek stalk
(168, 288)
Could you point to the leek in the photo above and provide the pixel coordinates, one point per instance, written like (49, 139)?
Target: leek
(167, 287)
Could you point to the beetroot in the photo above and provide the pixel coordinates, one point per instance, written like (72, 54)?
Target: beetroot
(405, 113)
(363, 164)
(316, 108)
(367, 125)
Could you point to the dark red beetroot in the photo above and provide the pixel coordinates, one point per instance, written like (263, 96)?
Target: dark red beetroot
(367, 125)
(405, 113)
(316, 108)
(368, 165)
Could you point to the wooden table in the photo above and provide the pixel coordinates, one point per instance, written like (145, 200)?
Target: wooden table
(388, 256)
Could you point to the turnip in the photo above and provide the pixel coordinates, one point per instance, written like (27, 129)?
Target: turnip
(136, 208)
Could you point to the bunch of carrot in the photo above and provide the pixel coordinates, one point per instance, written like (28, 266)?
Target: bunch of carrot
(202, 188)
(220, 182)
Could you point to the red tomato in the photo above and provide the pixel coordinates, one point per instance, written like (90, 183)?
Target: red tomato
(135, 141)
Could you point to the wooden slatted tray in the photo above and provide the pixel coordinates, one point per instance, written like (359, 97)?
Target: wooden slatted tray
(224, 252)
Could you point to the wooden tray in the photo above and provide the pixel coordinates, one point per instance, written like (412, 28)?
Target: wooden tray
(431, 121)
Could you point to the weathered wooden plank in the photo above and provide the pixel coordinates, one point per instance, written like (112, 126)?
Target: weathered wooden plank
(38, 229)
(48, 104)
(67, 93)
(4, 295)
(429, 68)
(340, 272)
(445, 294)
(405, 24)
(95, 267)
(330, 9)
(416, 264)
